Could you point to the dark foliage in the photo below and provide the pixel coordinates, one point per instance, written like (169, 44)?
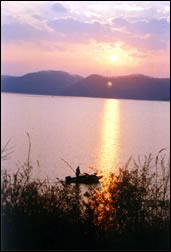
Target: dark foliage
(130, 211)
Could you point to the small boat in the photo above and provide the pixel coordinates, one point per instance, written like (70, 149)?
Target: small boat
(83, 179)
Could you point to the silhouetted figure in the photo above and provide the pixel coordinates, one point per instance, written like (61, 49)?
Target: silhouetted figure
(78, 171)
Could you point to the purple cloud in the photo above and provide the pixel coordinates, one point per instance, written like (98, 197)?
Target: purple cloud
(76, 31)
(81, 31)
(38, 17)
(25, 32)
(142, 27)
(59, 8)
(75, 26)
(157, 31)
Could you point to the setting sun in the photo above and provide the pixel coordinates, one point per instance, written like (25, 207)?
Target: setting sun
(109, 83)
(114, 58)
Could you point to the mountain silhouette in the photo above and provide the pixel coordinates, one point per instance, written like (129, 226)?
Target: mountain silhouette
(139, 87)
(43, 82)
(136, 86)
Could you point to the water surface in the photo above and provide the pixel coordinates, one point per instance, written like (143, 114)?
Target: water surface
(89, 132)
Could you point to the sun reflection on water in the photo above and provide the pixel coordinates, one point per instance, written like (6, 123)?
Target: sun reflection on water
(109, 156)
(110, 135)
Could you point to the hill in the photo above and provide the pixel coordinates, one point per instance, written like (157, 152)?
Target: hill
(138, 87)
(43, 82)
(135, 86)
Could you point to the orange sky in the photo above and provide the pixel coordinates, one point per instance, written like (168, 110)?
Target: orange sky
(105, 38)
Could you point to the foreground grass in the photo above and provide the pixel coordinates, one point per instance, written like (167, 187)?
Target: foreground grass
(131, 211)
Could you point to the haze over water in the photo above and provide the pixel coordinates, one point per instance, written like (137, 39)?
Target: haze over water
(89, 132)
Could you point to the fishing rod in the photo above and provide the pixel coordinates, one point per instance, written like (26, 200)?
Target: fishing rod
(68, 165)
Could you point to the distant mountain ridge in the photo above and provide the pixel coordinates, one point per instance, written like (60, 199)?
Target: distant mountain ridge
(138, 87)
(135, 86)
(43, 82)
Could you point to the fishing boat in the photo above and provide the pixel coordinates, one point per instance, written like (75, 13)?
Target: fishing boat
(83, 179)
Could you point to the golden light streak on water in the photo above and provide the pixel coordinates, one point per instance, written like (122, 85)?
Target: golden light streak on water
(109, 156)
(110, 135)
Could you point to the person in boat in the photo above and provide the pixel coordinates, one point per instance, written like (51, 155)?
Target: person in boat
(78, 171)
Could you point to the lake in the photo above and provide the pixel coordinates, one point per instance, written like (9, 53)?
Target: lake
(89, 132)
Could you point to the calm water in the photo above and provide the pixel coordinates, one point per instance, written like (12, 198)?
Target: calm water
(89, 132)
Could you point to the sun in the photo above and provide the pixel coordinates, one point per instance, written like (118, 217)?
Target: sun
(114, 58)
(109, 83)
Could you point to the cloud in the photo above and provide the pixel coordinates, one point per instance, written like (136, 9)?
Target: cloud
(75, 26)
(150, 34)
(7, 19)
(142, 35)
(59, 8)
(132, 7)
(25, 32)
(150, 26)
(62, 30)
(69, 29)
(38, 17)
(79, 31)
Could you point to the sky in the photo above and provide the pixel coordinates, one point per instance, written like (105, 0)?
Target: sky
(109, 38)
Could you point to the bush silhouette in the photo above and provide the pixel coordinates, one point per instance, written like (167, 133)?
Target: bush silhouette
(130, 211)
